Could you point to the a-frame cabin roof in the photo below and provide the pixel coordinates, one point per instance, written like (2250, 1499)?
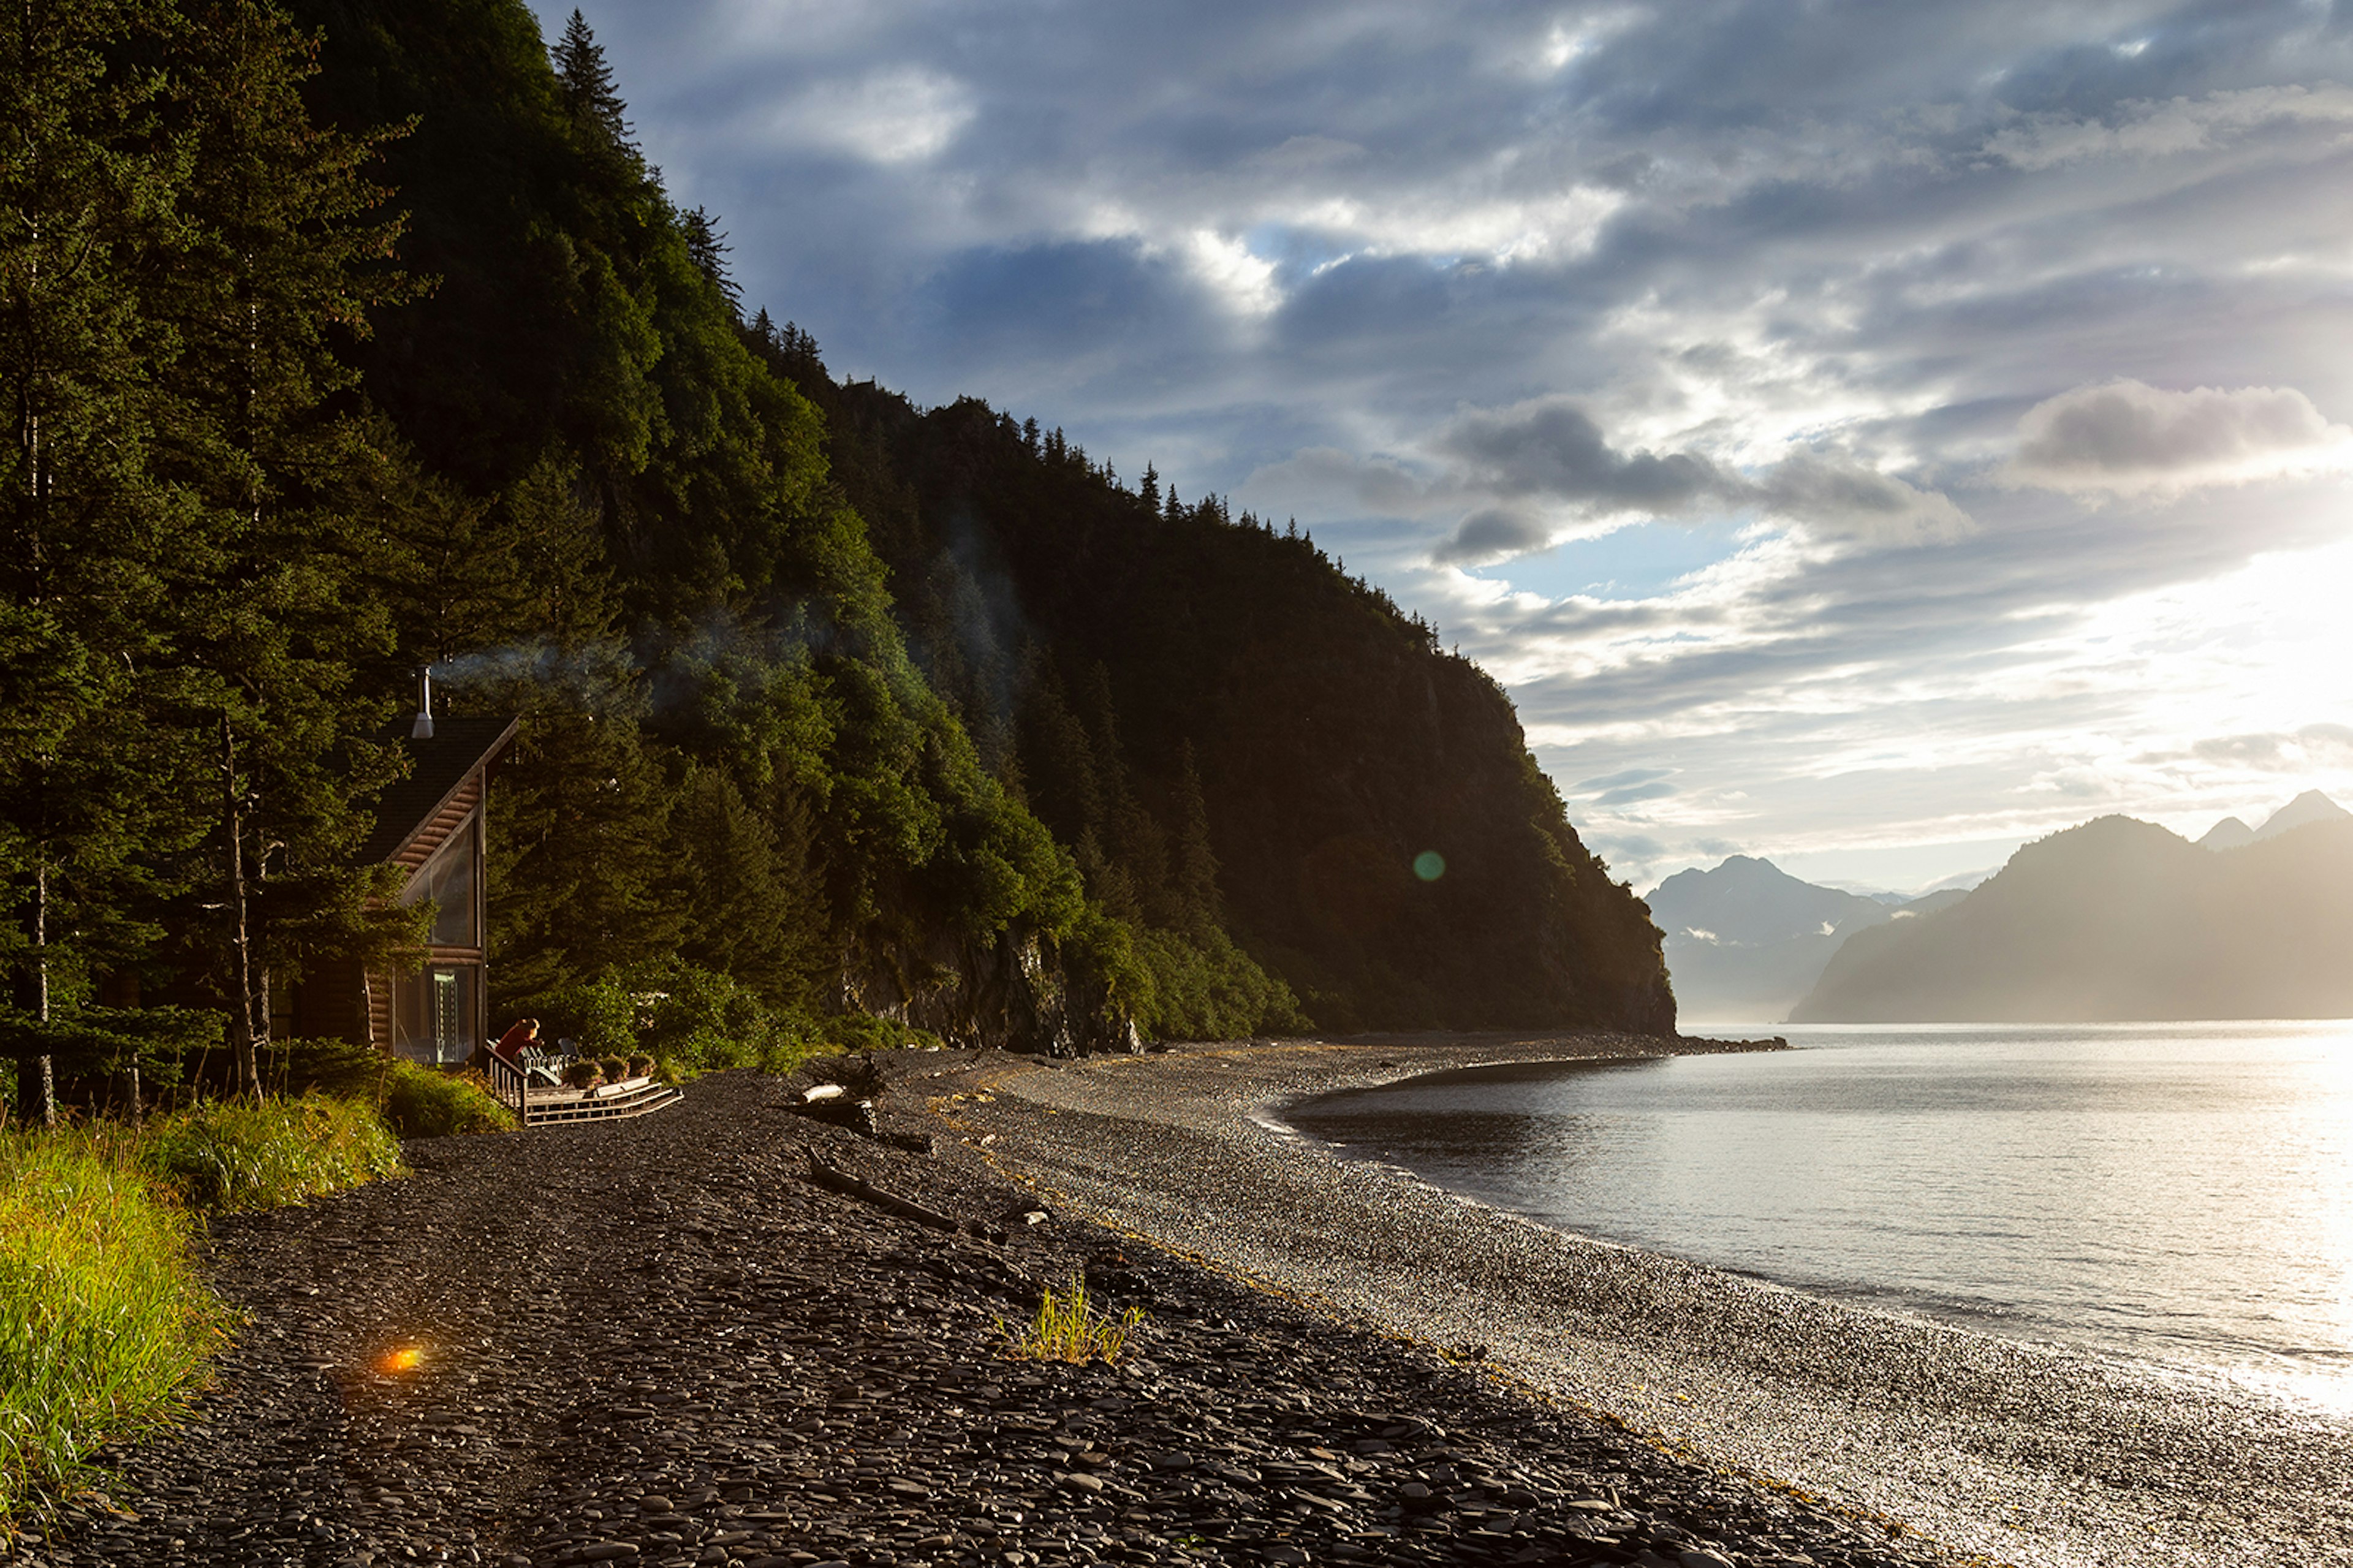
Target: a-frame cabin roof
(443, 764)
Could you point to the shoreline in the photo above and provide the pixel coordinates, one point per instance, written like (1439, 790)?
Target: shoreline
(1991, 1446)
(661, 1341)
(2231, 1382)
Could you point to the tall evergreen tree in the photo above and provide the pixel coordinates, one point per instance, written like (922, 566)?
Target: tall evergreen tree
(709, 248)
(585, 80)
(292, 247)
(87, 190)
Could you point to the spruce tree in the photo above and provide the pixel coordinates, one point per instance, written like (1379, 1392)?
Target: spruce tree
(293, 249)
(87, 187)
(709, 248)
(585, 85)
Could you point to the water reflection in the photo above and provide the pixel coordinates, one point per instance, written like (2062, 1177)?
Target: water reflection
(2181, 1192)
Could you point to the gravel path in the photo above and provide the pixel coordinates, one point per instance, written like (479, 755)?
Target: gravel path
(658, 1342)
(2023, 1455)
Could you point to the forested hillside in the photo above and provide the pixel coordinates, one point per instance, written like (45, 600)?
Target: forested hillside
(366, 339)
(1160, 675)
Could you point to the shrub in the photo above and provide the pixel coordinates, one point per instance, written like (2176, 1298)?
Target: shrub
(690, 1021)
(420, 1102)
(582, 1074)
(641, 1065)
(1071, 1327)
(864, 1032)
(345, 1068)
(104, 1328)
(695, 1020)
(235, 1155)
(614, 1068)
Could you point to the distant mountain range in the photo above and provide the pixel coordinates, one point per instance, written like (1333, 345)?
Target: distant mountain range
(2121, 920)
(2305, 809)
(1746, 941)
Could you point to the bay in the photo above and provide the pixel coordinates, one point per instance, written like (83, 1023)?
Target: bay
(2175, 1193)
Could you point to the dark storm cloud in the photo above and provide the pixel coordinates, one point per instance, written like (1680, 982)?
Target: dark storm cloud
(1555, 448)
(1553, 451)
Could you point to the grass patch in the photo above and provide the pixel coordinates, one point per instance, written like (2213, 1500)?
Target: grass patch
(104, 1327)
(1072, 1327)
(422, 1103)
(236, 1156)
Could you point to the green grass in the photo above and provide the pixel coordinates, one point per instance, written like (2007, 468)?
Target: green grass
(422, 1103)
(236, 1156)
(104, 1327)
(1070, 1327)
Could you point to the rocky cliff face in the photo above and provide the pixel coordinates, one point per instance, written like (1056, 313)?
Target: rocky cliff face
(1019, 992)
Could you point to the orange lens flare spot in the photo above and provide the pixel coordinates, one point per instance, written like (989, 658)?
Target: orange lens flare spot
(408, 1358)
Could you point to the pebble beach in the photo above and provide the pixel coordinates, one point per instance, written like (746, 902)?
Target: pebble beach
(661, 1341)
(1991, 1449)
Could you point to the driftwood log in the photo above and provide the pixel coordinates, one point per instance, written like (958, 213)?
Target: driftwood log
(851, 1187)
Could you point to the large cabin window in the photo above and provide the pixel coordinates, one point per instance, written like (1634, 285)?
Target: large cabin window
(435, 1009)
(433, 1012)
(448, 880)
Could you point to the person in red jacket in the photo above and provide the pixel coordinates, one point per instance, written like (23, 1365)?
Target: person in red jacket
(520, 1037)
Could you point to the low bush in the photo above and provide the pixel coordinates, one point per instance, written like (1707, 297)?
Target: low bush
(863, 1032)
(1072, 1327)
(582, 1074)
(641, 1065)
(345, 1069)
(696, 1021)
(238, 1155)
(104, 1328)
(615, 1068)
(422, 1103)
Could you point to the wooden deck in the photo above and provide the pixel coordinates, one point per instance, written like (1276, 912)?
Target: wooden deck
(544, 1105)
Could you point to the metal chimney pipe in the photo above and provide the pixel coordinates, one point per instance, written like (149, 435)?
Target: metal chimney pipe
(423, 729)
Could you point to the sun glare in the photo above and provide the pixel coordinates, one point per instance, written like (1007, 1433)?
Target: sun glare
(406, 1358)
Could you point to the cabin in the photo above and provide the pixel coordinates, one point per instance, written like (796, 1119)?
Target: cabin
(432, 825)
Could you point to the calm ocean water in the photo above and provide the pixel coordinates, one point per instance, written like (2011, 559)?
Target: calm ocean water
(2174, 1192)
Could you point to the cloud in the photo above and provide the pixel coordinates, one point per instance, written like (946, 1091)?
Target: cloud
(1494, 533)
(1845, 502)
(1633, 795)
(1550, 454)
(1620, 780)
(2168, 128)
(2125, 438)
(897, 114)
(2294, 753)
(1244, 282)
(1553, 448)
(1721, 340)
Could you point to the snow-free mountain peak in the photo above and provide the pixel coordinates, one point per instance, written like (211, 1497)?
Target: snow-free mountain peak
(1745, 940)
(2228, 834)
(2308, 808)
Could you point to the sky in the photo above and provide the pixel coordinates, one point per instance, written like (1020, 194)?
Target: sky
(1867, 436)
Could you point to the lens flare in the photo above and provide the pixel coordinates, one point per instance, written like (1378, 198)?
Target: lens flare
(408, 1358)
(1430, 865)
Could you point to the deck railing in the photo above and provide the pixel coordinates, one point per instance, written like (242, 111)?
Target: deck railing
(512, 1087)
